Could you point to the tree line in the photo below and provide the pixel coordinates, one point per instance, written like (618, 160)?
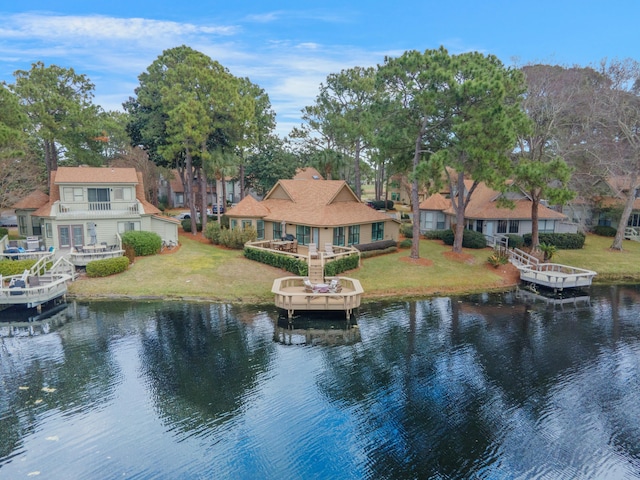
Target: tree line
(445, 121)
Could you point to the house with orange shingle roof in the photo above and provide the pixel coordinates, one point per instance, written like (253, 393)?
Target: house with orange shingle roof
(91, 205)
(485, 214)
(314, 211)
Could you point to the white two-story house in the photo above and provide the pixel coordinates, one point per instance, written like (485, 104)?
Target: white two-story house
(94, 205)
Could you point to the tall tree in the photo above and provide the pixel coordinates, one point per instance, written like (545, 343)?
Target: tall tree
(19, 172)
(274, 161)
(59, 104)
(619, 111)
(348, 98)
(186, 107)
(540, 171)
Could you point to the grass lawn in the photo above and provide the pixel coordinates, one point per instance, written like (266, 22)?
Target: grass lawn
(201, 271)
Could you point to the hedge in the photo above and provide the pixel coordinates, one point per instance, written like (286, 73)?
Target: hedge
(435, 234)
(186, 225)
(470, 239)
(15, 267)
(285, 262)
(144, 243)
(3, 231)
(563, 241)
(605, 231)
(381, 245)
(406, 229)
(106, 267)
(335, 267)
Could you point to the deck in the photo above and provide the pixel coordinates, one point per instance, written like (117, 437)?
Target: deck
(37, 286)
(556, 276)
(291, 295)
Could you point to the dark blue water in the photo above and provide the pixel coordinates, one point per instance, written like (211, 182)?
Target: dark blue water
(490, 387)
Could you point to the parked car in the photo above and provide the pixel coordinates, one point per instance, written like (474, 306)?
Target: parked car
(214, 210)
(183, 216)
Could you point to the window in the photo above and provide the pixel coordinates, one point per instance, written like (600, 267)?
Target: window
(120, 193)
(546, 226)
(303, 234)
(514, 226)
(502, 226)
(22, 225)
(246, 224)
(440, 221)
(479, 225)
(377, 231)
(354, 234)
(338, 236)
(234, 223)
(260, 229)
(98, 198)
(277, 230)
(634, 220)
(128, 226)
(48, 229)
(36, 227)
(73, 194)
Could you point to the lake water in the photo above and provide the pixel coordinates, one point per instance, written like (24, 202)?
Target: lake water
(494, 386)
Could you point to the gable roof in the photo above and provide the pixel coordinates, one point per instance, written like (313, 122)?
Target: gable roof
(92, 175)
(34, 200)
(310, 202)
(484, 205)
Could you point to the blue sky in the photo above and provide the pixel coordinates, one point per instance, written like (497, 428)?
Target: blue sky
(289, 48)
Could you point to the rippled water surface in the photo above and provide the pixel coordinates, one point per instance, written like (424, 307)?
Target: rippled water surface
(489, 386)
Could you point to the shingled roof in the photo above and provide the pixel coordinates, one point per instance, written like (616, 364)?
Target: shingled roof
(325, 203)
(34, 200)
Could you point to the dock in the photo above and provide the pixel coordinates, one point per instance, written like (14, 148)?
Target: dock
(38, 285)
(291, 294)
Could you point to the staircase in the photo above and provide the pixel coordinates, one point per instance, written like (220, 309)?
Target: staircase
(316, 270)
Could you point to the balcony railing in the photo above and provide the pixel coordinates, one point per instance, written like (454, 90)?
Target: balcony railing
(97, 209)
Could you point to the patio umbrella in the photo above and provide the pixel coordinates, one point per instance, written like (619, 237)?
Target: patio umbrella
(92, 233)
(283, 229)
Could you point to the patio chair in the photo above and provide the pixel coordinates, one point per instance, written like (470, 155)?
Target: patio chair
(294, 246)
(313, 250)
(328, 250)
(335, 286)
(308, 286)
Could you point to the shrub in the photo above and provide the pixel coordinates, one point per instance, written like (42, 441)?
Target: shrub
(237, 237)
(186, 225)
(143, 243)
(15, 267)
(4, 231)
(563, 241)
(470, 239)
(335, 267)
(106, 267)
(381, 245)
(278, 260)
(406, 229)
(548, 250)
(212, 232)
(498, 258)
(435, 234)
(515, 241)
(406, 243)
(602, 230)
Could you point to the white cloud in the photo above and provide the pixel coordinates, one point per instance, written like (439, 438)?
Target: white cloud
(98, 27)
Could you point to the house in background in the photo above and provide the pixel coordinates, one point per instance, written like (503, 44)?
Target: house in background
(607, 206)
(483, 214)
(28, 224)
(173, 190)
(89, 205)
(313, 211)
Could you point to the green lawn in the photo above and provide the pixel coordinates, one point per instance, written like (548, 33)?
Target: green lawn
(200, 271)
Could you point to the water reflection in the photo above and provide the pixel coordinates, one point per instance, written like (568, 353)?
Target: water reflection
(487, 386)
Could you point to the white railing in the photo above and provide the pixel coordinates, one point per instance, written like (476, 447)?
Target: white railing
(96, 209)
(632, 233)
(556, 276)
